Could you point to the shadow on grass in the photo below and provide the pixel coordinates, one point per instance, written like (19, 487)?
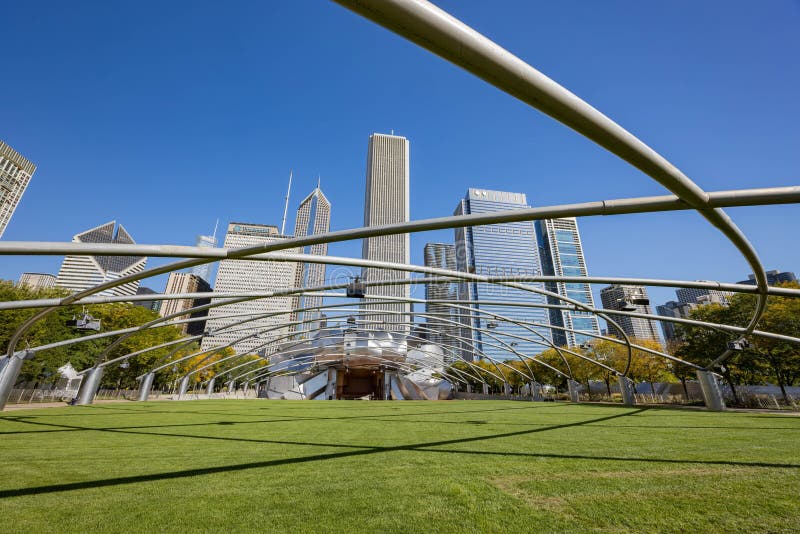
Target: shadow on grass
(366, 450)
(30, 419)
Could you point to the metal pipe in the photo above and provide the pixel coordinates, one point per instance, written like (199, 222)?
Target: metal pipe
(432, 28)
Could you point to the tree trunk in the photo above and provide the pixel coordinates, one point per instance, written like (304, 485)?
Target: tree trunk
(608, 385)
(781, 383)
(653, 388)
(685, 389)
(727, 376)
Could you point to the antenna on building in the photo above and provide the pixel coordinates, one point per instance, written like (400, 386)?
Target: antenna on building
(286, 207)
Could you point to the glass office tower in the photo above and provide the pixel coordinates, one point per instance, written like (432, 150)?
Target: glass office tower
(442, 317)
(313, 218)
(562, 255)
(508, 250)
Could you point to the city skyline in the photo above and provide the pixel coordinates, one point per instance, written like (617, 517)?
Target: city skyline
(307, 221)
(661, 90)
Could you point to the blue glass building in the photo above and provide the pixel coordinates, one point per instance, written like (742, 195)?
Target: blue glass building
(562, 255)
(508, 250)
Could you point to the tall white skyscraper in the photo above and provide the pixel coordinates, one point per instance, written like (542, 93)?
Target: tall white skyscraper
(387, 201)
(82, 272)
(206, 241)
(15, 173)
(313, 217)
(238, 276)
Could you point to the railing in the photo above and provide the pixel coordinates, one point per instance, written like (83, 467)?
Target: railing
(39, 396)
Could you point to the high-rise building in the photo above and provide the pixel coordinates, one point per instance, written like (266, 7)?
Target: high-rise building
(82, 272)
(206, 270)
(773, 278)
(441, 317)
(15, 174)
(37, 280)
(152, 305)
(386, 202)
(697, 295)
(237, 276)
(506, 250)
(186, 283)
(680, 310)
(617, 297)
(562, 255)
(313, 218)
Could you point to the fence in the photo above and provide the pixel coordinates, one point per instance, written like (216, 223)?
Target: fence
(38, 396)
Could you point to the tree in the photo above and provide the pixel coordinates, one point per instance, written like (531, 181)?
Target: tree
(648, 367)
(52, 328)
(764, 358)
(782, 316)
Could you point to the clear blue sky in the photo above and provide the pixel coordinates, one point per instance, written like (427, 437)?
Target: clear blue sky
(167, 115)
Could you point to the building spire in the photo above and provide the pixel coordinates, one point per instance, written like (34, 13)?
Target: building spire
(319, 180)
(286, 207)
(214, 235)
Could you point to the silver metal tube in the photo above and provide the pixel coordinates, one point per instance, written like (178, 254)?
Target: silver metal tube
(432, 28)
(89, 386)
(145, 387)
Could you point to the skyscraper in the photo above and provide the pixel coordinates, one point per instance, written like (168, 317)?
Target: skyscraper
(387, 201)
(82, 272)
(508, 250)
(696, 295)
(616, 297)
(673, 309)
(207, 269)
(186, 283)
(237, 276)
(773, 278)
(562, 255)
(152, 305)
(313, 217)
(15, 174)
(37, 280)
(442, 256)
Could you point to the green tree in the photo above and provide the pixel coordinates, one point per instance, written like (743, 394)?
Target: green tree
(43, 368)
(778, 358)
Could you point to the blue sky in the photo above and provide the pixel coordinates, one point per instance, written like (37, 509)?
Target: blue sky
(168, 115)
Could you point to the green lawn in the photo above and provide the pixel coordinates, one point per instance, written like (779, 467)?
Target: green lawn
(396, 467)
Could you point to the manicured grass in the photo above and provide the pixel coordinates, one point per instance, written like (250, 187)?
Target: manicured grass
(220, 466)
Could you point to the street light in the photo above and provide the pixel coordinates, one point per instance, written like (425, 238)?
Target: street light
(739, 344)
(355, 289)
(84, 322)
(637, 298)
